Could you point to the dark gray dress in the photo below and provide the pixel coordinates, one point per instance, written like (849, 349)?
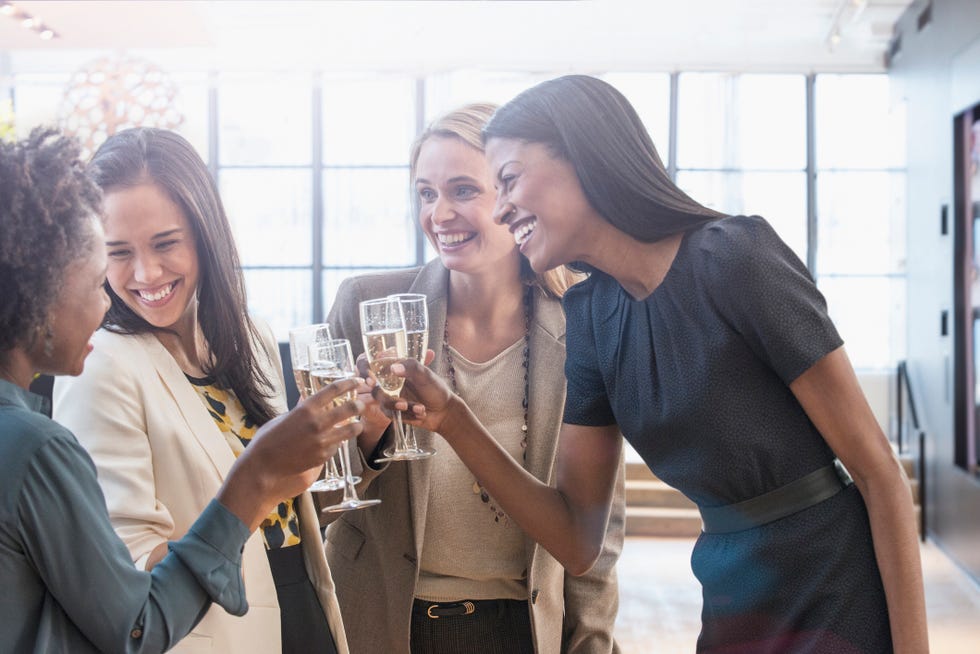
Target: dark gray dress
(696, 377)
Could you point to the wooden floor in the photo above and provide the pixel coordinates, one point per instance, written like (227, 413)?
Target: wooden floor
(660, 602)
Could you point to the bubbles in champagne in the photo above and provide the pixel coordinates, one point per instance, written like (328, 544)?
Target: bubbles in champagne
(384, 348)
(417, 343)
(303, 381)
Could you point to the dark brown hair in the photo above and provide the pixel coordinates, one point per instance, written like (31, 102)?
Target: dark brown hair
(149, 155)
(590, 124)
(47, 206)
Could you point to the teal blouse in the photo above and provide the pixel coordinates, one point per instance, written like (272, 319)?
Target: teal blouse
(67, 583)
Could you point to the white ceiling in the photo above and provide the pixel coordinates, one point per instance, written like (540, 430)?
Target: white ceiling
(431, 36)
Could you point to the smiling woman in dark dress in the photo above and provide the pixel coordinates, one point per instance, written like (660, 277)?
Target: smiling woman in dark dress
(704, 339)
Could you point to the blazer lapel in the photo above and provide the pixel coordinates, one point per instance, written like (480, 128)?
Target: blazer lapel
(433, 282)
(200, 425)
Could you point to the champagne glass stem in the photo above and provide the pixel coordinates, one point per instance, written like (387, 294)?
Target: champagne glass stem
(350, 492)
(333, 466)
(396, 421)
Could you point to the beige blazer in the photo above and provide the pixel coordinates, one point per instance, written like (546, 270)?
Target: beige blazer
(161, 458)
(374, 553)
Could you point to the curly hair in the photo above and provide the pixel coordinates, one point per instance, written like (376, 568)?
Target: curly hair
(46, 207)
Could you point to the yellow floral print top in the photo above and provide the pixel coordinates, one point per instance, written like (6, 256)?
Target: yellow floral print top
(281, 528)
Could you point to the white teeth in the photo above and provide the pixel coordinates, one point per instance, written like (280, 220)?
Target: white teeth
(159, 295)
(453, 239)
(522, 233)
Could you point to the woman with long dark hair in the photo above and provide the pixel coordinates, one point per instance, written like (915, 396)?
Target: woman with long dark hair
(181, 379)
(705, 341)
(70, 582)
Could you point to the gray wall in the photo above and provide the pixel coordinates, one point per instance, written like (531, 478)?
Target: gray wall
(937, 71)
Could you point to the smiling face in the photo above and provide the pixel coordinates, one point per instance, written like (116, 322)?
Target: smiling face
(541, 202)
(76, 313)
(153, 263)
(456, 200)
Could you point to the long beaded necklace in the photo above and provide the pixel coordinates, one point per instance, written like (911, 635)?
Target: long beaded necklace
(478, 488)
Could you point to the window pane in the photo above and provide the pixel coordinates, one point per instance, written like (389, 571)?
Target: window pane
(282, 298)
(265, 120)
(650, 96)
(37, 101)
(870, 315)
(446, 91)
(780, 198)
(368, 121)
(270, 213)
(857, 124)
(367, 218)
(741, 121)
(862, 223)
(192, 104)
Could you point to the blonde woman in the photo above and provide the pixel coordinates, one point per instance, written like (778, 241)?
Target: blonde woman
(439, 566)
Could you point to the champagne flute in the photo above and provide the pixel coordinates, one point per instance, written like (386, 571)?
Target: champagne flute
(300, 340)
(415, 313)
(330, 361)
(383, 331)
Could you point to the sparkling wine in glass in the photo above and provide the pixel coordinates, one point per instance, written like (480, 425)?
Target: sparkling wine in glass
(332, 361)
(385, 343)
(300, 340)
(415, 313)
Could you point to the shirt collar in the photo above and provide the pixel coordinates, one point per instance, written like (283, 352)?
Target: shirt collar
(14, 395)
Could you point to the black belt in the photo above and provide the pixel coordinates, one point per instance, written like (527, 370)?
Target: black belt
(786, 500)
(437, 610)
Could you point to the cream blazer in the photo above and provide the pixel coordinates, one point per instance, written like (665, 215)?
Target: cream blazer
(161, 458)
(374, 553)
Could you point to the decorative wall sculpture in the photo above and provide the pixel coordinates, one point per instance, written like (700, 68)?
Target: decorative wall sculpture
(113, 93)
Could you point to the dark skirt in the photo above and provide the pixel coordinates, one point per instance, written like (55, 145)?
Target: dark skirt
(304, 624)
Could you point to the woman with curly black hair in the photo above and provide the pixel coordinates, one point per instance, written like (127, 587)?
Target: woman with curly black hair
(76, 587)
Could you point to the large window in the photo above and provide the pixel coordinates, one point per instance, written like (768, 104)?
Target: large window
(313, 170)
(860, 214)
(741, 147)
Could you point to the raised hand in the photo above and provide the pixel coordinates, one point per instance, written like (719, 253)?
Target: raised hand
(287, 454)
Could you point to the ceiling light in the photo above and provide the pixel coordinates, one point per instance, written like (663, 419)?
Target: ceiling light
(28, 22)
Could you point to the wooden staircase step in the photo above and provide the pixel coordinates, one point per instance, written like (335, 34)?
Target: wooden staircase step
(658, 521)
(908, 462)
(639, 471)
(651, 493)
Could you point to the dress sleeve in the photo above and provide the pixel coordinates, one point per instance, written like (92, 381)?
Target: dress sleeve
(586, 402)
(66, 533)
(766, 294)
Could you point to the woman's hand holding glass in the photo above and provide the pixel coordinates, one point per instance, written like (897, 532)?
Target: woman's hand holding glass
(383, 329)
(331, 362)
(300, 340)
(426, 399)
(277, 462)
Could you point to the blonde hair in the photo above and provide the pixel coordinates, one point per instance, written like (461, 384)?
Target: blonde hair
(466, 123)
